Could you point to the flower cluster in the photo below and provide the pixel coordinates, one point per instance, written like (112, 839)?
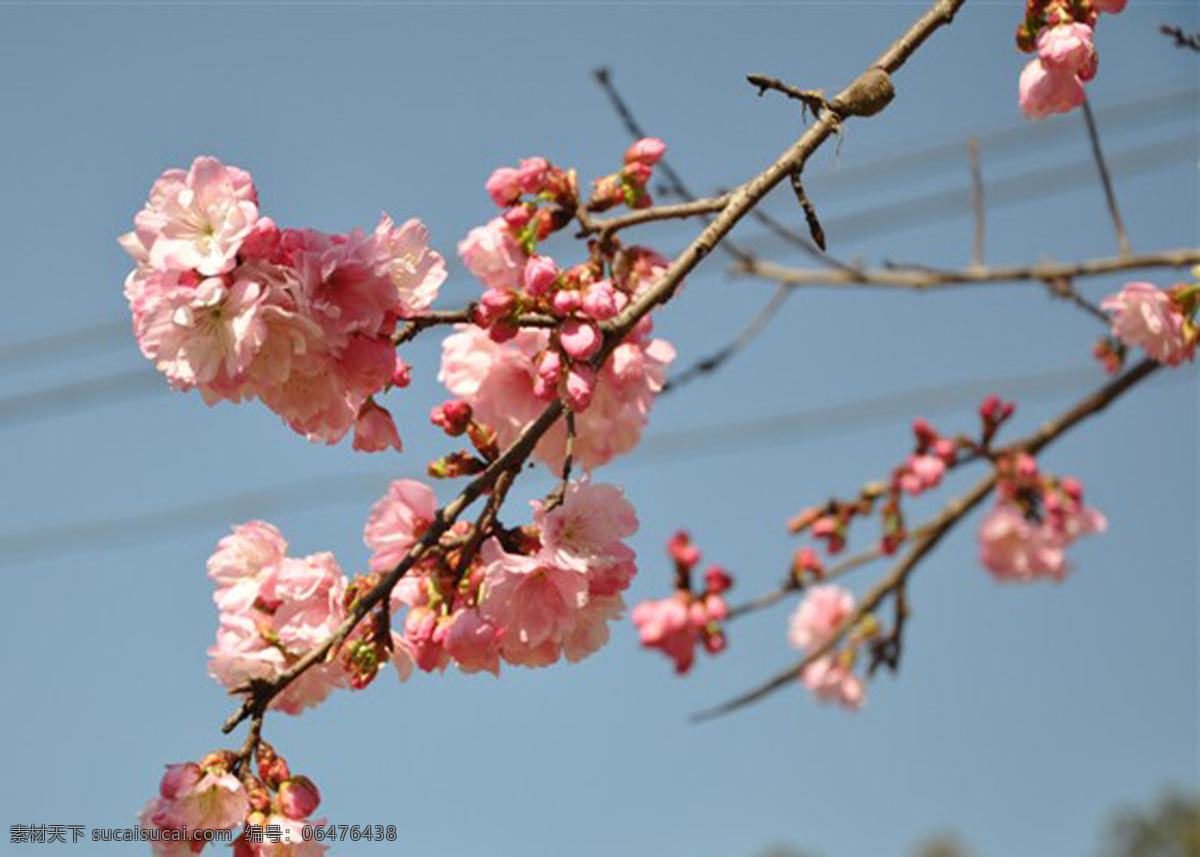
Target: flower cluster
(1060, 33)
(1159, 321)
(529, 597)
(831, 677)
(226, 302)
(686, 620)
(933, 454)
(219, 793)
(1036, 518)
(274, 609)
(537, 328)
(628, 185)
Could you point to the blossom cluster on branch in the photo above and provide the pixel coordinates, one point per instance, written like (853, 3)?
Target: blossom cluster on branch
(1060, 33)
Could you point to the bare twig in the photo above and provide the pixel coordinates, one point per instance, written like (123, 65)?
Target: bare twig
(434, 318)
(747, 335)
(950, 516)
(810, 99)
(925, 279)
(1106, 179)
(1182, 39)
(810, 212)
(692, 208)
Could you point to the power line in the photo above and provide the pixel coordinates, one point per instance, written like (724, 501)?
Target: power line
(1003, 142)
(663, 447)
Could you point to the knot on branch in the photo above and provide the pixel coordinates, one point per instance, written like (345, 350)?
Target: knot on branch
(868, 95)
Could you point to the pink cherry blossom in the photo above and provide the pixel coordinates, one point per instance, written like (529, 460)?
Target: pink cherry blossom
(537, 604)
(579, 339)
(533, 174)
(824, 609)
(397, 521)
(473, 642)
(242, 562)
(1014, 548)
(591, 631)
(198, 799)
(1045, 90)
(540, 275)
(499, 381)
(586, 532)
(667, 625)
(504, 186)
(1144, 316)
(403, 255)
(198, 219)
(298, 797)
(648, 151)
(492, 254)
(831, 681)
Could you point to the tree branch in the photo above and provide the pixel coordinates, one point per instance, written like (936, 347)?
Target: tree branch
(936, 530)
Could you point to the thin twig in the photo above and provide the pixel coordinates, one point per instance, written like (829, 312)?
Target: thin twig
(977, 205)
(555, 498)
(1064, 287)
(951, 515)
(1106, 179)
(611, 225)
(416, 324)
(924, 279)
(747, 335)
(1182, 39)
(810, 99)
(810, 212)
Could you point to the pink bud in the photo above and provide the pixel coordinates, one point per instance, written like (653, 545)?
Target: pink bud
(1043, 90)
(682, 551)
(581, 384)
(648, 151)
(498, 302)
(1067, 47)
(600, 301)
(374, 430)
(579, 339)
(717, 580)
(638, 172)
(540, 275)
(502, 331)
(566, 301)
(549, 371)
(179, 778)
(1026, 466)
(714, 643)
(518, 216)
(503, 186)
(298, 798)
(532, 175)
(453, 416)
(401, 374)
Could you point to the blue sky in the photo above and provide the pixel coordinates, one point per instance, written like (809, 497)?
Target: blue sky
(1022, 715)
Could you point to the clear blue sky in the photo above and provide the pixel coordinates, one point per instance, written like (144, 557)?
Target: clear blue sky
(1021, 715)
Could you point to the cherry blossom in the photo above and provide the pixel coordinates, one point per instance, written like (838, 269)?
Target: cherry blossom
(1145, 316)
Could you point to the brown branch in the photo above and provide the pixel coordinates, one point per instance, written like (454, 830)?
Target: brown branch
(810, 212)
(1182, 39)
(609, 226)
(810, 99)
(925, 279)
(945, 521)
(1110, 195)
(860, 98)
(413, 326)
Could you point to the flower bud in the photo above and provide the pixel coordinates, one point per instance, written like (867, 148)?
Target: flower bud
(298, 798)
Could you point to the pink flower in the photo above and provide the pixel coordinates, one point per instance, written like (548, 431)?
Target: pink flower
(403, 255)
(1013, 548)
(292, 841)
(1145, 316)
(305, 597)
(205, 334)
(921, 473)
(473, 642)
(242, 562)
(831, 681)
(374, 430)
(586, 532)
(504, 186)
(492, 254)
(667, 625)
(1068, 47)
(824, 609)
(1046, 90)
(537, 604)
(500, 383)
(199, 799)
(600, 301)
(591, 626)
(198, 219)
(397, 521)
